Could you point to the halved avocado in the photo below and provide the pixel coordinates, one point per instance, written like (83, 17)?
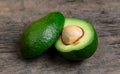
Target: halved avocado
(41, 34)
(78, 40)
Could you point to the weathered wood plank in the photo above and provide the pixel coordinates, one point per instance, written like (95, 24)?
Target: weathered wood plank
(104, 61)
(16, 15)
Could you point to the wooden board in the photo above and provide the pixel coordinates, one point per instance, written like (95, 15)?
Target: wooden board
(16, 15)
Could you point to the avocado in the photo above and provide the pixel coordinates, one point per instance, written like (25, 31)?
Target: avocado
(41, 34)
(78, 40)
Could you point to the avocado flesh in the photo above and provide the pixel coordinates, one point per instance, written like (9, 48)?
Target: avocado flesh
(87, 44)
(41, 34)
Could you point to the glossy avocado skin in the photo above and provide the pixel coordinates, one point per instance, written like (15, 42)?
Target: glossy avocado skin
(41, 34)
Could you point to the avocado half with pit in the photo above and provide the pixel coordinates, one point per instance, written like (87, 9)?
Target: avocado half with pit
(78, 40)
(41, 34)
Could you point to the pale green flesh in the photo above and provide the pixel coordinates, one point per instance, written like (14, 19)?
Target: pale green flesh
(84, 41)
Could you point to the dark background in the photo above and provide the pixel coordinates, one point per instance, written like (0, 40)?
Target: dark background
(16, 15)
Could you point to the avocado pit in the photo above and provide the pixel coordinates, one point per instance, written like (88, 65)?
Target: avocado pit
(72, 34)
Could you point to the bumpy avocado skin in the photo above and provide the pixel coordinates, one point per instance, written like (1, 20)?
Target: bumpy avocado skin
(41, 34)
(84, 53)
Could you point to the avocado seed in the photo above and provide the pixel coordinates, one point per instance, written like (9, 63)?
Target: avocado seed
(71, 34)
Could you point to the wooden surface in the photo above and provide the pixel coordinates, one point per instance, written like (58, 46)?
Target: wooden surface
(16, 15)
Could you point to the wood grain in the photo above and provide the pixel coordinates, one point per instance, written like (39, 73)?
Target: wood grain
(16, 15)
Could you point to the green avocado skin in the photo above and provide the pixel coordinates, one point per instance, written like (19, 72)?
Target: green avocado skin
(41, 34)
(84, 53)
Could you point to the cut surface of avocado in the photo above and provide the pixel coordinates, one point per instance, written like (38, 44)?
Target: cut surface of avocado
(41, 34)
(78, 39)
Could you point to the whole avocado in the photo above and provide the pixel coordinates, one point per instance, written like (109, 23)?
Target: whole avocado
(41, 34)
